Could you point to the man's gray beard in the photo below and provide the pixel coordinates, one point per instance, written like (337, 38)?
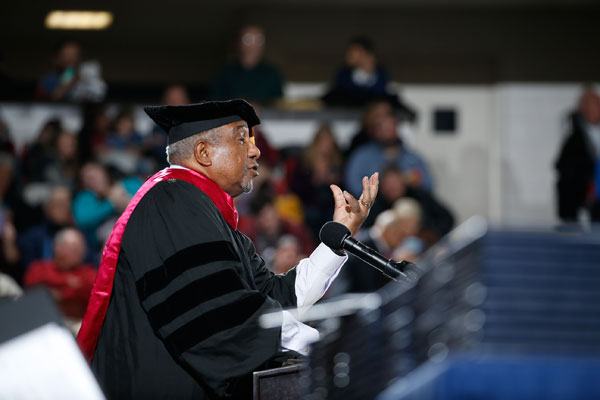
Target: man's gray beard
(247, 186)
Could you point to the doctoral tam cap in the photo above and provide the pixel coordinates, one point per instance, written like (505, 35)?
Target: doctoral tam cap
(187, 120)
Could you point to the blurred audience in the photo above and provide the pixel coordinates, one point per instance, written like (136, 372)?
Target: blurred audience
(62, 180)
(265, 226)
(249, 76)
(68, 278)
(578, 164)
(320, 166)
(386, 148)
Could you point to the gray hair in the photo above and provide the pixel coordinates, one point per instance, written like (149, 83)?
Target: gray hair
(184, 149)
(64, 234)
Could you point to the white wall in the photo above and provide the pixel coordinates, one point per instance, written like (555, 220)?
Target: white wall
(460, 161)
(532, 121)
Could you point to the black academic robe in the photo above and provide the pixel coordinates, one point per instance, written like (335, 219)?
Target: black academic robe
(182, 321)
(575, 165)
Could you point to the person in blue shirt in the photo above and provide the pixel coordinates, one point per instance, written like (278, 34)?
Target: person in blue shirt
(100, 202)
(384, 150)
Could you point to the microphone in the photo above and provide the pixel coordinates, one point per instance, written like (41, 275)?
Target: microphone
(337, 237)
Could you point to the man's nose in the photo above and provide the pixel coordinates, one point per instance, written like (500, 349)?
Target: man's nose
(253, 152)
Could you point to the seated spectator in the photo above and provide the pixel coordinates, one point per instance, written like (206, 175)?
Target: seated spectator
(68, 278)
(320, 166)
(64, 167)
(386, 148)
(437, 220)
(372, 114)
(71, 80)
(36, 243)
(410, 222)
(100, 202)
(175, 95)
(58, 84)
(361, 79)
(288, 254)
(578, 164)
(249, 76)
(122, 148)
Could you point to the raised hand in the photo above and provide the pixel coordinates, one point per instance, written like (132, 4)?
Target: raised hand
(352, 212)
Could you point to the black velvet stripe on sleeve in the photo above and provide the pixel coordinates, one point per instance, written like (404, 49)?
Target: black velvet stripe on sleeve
(203, 253)
(198, 291)
(213, 322)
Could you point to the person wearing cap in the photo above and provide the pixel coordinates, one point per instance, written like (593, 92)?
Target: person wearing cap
(174, 311)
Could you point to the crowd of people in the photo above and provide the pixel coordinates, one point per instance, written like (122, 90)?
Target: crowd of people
(62, 193)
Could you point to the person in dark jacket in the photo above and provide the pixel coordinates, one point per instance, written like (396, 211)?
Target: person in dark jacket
(577, 164)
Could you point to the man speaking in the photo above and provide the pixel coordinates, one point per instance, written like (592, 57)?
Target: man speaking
(175, 307)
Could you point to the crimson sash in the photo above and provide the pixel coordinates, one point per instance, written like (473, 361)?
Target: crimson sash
(100, 296)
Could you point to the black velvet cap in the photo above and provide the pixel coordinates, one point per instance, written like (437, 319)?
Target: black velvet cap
(184, 121)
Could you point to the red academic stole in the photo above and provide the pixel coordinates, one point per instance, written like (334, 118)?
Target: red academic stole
(100, 297)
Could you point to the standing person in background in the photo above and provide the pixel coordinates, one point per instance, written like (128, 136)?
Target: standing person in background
(249, 76)
(578, 164)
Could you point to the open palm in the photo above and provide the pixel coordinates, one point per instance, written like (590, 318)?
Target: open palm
(350, 211)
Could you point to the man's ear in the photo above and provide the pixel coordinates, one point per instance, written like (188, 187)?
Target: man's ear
(202, 153)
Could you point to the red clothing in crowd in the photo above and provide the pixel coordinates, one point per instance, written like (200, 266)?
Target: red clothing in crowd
(71, 288)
